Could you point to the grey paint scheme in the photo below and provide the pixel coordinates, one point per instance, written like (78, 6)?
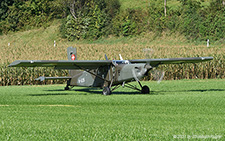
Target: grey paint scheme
(93, 64)
(102, 77)
(102, 73)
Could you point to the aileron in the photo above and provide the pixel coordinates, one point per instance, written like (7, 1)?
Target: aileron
(154, 62)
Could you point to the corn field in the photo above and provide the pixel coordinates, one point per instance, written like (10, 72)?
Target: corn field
(26, 76)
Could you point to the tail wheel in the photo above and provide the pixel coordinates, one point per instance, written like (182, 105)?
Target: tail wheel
(67, 85)
(145, 90)
(106, 91)
(66, 88)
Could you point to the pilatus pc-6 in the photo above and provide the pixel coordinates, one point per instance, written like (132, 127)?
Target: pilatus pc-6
(106, 74)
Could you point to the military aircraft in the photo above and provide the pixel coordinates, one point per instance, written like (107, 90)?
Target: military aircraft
(106, 74)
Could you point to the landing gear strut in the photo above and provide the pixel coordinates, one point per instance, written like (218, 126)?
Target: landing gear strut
(106, 91)
(67, 85)
(144, 90)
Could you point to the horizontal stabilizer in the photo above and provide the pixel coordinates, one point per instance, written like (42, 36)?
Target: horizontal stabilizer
(42, 78)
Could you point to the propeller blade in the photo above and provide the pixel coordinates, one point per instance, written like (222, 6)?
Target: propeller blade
(148, 52)
(158, 75)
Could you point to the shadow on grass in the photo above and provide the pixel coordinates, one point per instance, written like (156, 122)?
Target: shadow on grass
(99, 91)
(133, 93)
(87, 91)
(200, 90)
(205, 90)
(49, 94)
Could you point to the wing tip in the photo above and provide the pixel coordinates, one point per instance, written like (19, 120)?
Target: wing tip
(14, 64)
(207, 58)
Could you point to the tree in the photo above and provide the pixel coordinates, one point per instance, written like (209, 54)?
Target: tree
(75, 6)
(88, 18)
(4, 7)
(217, 5)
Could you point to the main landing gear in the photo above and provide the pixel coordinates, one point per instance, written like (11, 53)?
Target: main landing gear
(144, 90)
(106, 91)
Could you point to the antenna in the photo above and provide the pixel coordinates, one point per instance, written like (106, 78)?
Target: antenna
(106, 58)
(121, 58)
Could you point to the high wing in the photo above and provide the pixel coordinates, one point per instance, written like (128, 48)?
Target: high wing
(62, 64)
(156, 62)
(93, 64)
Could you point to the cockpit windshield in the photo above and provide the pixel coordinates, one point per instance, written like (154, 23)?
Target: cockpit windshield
(121, 62)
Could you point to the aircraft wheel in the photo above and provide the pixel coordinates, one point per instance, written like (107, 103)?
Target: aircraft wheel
(66, 88)
(145, 90)
(106, 91)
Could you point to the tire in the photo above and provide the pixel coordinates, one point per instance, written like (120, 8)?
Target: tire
(145, 90)
(106, 91)
(66, 88)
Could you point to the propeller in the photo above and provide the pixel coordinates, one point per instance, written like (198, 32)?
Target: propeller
(156, 73)
(148, 52)
(139, 71)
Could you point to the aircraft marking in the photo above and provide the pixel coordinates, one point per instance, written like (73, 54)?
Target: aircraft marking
(73, 57)
(81, 80)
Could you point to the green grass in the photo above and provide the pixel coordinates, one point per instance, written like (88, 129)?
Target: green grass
(185, 109)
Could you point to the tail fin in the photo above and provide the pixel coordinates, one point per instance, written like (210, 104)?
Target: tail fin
(72, 53)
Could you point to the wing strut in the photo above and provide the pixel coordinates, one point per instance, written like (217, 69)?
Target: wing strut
(91, 73)
(113, 76)
(42, 78)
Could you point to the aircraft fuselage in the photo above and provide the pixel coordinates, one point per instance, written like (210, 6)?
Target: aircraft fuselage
(103, 76)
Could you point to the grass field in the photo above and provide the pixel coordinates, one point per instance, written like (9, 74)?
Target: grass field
(184, 109)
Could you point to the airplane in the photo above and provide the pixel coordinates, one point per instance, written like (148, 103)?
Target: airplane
(106, 74)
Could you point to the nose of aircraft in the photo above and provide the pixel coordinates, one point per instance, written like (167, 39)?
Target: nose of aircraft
(142, 70)
(148, 68)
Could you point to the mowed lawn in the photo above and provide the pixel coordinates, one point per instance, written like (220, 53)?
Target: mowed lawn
(183, 109)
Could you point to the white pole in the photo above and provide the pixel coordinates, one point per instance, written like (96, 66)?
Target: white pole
(165, 7)
(54, 43)
(207, 42)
